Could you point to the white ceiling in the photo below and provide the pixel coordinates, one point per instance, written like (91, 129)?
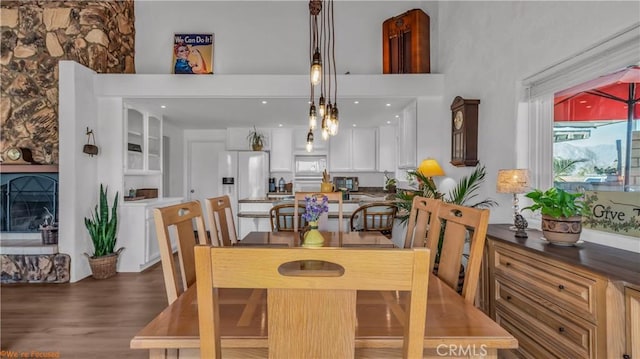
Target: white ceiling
(220, 113)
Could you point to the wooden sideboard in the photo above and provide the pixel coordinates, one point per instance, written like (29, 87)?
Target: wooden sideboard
(570, 302)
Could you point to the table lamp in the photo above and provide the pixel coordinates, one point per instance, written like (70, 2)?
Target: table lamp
(513, 181)
(430, 168)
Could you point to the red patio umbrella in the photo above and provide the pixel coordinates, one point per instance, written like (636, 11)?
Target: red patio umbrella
(606, 98)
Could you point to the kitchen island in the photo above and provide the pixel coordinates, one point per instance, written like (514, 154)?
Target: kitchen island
(253, 213)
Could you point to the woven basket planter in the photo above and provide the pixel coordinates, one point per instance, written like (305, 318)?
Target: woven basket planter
(104, 267)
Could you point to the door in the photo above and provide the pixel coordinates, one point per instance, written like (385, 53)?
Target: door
(203, 170)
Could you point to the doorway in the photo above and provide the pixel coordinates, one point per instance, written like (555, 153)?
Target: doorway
(203, 169)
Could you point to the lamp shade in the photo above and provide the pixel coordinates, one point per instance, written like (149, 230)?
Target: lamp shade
(512, 181)
(430, 168)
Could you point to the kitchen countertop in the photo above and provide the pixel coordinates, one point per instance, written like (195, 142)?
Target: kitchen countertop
(152, 201)
(361, 197)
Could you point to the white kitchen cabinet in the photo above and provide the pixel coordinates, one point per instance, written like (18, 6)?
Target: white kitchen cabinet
(407, 137)
(137, 234)
(143, 142)
(237, 138)
(363, 149)
(281, 150)
(387, 149)
(353, 149)
(300, 140)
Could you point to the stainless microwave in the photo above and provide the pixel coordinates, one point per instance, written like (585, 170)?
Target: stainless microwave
(350, 183)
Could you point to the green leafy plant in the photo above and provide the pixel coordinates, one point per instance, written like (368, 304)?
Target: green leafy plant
(463, 193)
(556, 202)
(256, 138)
(102, 227)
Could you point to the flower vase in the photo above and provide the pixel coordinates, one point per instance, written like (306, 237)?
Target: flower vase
(313, 237)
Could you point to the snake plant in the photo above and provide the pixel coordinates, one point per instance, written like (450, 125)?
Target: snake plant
(103, 229)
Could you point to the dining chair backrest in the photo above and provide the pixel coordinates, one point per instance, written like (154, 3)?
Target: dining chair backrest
(332, 196)
(311, 312)
(179, 220)
(374, 216)
(455, 225)
(422, 210)
(221, 225)
(281, 217)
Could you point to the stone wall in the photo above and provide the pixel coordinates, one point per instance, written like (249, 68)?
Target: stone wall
(35, 35)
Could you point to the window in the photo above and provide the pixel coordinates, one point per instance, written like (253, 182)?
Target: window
(594, 134)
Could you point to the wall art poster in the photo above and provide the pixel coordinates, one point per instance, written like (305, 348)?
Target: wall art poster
(192, 54)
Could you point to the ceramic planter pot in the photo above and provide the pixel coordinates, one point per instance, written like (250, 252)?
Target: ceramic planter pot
(564, 231)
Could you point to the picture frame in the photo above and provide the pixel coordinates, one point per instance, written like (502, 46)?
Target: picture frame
(192, 54)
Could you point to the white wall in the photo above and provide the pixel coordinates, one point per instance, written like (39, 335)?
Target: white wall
(78, 172)
(266, 37)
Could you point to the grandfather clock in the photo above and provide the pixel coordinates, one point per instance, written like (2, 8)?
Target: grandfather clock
(464, 132)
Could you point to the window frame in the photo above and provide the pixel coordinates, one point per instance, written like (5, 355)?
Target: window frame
(535, 151)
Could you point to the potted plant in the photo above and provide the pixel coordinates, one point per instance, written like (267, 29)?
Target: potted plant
(256, 139)
(103, 230)
(561, 214)
(390, 183)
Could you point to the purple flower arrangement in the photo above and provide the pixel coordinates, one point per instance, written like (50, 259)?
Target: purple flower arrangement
(315, 208)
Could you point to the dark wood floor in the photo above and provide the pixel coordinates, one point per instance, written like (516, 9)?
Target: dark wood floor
(88, 319)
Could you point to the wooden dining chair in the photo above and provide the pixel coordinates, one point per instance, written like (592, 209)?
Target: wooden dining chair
(179, 219)
(220, 217)
(375, 216)
(422, 210)
(332, 196)
(454, 225)
(281, 217)
(312, 313)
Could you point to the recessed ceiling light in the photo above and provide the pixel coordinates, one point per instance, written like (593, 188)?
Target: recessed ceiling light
(397, 116)
(163, 106)
(388, 105)
(583, 101)
(356, 102)
(354, 125)
(588, 106)
(280, 125)
(388, 122)
(264, 102)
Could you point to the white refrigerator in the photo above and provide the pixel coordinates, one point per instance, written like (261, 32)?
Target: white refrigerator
(243, 174)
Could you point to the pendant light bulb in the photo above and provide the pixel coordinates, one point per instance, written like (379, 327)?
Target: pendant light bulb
(333, 121)
(313, 117)
(325, 134)
(309, 145)
(321, 106)
(316, 68)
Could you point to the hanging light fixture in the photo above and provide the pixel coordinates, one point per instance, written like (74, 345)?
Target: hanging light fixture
(309, 146)
(323, 68)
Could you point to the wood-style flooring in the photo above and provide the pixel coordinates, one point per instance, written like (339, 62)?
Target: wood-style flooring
(89, 319)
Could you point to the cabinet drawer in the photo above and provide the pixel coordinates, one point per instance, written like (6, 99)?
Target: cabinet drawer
(527, 347)
(569, 338)
(555, 287)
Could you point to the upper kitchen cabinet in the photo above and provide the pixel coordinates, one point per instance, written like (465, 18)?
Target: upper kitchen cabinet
(300, 140)
(281, 150)
(237, 138)
(353, 150)
(143, 145)
(407, 138)
(387, 149)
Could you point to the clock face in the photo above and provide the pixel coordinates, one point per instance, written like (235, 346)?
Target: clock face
(14, 154)
(458, 120)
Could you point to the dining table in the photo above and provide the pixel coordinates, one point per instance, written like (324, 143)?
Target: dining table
(452, 328)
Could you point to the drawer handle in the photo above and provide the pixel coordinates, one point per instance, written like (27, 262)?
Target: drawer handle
(508, 264)
(508, 297)
(560, 286)
(626, 356)
(561, 329)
